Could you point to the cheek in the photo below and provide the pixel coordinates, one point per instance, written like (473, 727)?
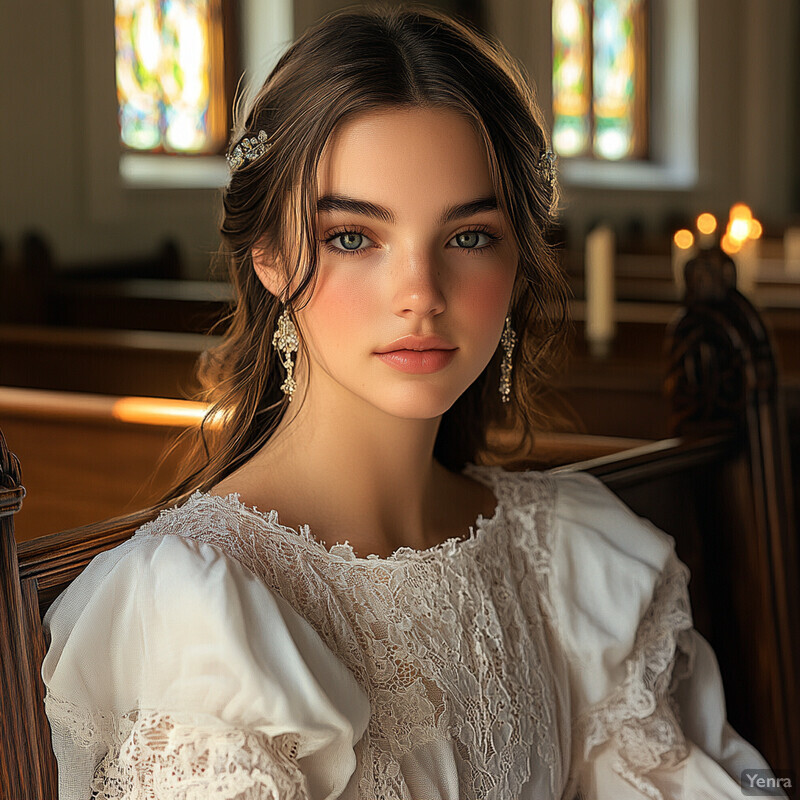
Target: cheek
(486, 299)
(337, 310)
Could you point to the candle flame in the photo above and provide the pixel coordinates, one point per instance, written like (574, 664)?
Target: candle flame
(739, 229)
(741, 211)
(706, 223)
(683, 238)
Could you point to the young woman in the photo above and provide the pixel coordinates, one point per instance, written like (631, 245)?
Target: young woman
(342, 602)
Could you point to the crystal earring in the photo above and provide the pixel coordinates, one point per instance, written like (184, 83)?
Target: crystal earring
(285, 341)
(508, 341)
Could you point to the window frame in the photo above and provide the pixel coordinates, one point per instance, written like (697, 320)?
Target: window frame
(672, 112)
(641, 101)
(256, 55)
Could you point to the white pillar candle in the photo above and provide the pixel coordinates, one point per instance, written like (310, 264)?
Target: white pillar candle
(748, 260)
(680, 255)
(705, 240)
(600, 294)
(791, 250)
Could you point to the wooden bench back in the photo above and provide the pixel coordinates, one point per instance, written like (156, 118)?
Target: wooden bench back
(721, 487)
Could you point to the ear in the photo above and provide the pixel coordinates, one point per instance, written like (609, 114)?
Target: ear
(268, 270)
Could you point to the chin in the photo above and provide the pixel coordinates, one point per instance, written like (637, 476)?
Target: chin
(417, 402)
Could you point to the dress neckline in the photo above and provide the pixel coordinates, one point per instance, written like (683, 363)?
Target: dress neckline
(343, 551)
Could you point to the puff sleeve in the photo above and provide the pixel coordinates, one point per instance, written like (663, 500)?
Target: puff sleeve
(648, 708)
(174, 673)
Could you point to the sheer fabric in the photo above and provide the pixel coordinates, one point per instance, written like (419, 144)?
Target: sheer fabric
(549, 654)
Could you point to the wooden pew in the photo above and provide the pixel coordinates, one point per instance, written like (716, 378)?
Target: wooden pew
(90, 457)
(35, 279)
(95, 361)
(720, 485)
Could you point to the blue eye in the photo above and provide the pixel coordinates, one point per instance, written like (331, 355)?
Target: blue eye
(351, 238)
(470, 239)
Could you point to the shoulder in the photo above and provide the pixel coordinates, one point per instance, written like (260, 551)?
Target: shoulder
(175, 620)
(587, 514)
(614, 580)
(600, 565)
(162, 561)
(171, 625)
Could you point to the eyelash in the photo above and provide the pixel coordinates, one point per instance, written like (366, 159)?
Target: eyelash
(484, 229)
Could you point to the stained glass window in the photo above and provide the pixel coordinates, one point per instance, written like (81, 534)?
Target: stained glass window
(171, 75)
(600, 78)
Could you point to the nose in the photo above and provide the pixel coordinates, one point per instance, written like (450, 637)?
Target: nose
(417, 285)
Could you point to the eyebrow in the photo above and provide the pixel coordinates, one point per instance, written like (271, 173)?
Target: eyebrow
(338, 202)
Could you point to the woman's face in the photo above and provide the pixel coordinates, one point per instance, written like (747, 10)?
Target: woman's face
(402, 253)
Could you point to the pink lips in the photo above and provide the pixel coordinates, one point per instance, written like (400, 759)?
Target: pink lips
(417, 361)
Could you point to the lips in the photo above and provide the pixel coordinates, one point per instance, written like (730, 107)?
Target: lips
(416, 343)
(419, 362)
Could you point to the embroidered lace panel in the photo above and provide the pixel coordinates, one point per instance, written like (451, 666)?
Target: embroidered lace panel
(150, 755)
(446, 645)
(449, 642)
(642, 717)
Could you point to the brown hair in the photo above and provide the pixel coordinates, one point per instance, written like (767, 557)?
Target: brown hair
(357, 59)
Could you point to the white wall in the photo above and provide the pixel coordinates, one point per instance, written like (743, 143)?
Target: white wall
(59, 171)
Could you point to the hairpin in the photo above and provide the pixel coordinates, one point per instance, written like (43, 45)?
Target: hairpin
(547, 166)
(249, 149)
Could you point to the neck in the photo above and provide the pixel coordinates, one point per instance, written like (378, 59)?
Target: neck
(361, 471)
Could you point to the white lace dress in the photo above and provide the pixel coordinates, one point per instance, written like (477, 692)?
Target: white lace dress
(219, 654)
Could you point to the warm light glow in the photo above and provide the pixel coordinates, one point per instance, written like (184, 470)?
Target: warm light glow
(741, 211)
(739, 229)
(729, 245)
(158, 411)
(706, 223)
(683, 239)
(756, 229)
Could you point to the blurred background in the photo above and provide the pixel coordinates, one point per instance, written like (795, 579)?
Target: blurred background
(676, 124)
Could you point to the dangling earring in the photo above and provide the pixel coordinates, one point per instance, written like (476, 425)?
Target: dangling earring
(285, 341)
(508, 341)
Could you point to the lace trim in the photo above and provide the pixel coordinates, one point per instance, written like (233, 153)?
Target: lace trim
(641, 717)
(151, 755)
(445, 643)
(343, 551)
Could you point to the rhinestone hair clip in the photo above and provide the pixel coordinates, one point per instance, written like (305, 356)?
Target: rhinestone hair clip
(249, 149)
(547, 166)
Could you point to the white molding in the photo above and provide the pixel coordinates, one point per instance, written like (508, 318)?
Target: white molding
(151, 171)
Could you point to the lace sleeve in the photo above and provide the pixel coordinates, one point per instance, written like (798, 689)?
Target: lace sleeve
(156, 757)
(641, 716)
(173, 673)
(648, 705)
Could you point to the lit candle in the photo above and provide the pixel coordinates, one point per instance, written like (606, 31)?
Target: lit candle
(706, 226)
(682, 250)
(741, 243)
(599, 278)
